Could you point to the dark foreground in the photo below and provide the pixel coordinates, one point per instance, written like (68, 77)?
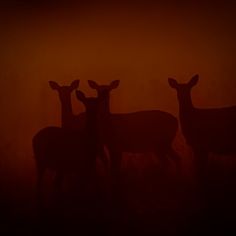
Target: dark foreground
(147, 203)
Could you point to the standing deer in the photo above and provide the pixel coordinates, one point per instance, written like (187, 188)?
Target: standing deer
(66, 150)
(68, 119)
(205, 130)
(136, 132)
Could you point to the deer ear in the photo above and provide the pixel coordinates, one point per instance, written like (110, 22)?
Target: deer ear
(74, 85)
(173, 83)
(193, 81)
(80, 96)
(54, 85)
(93, 84)
(114, 84)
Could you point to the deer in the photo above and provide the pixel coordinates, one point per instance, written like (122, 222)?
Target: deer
(206, 131)
(68, 119)
(65, 150)
(136, 132)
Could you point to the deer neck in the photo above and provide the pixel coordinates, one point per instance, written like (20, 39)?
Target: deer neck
(66, 112)
(91, 126)
(105, 106)
(185, 107)
(104, 113)
(104, 120)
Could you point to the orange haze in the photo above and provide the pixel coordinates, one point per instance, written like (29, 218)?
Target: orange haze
(142, 45)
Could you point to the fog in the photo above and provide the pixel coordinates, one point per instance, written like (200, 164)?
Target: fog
(141, 45)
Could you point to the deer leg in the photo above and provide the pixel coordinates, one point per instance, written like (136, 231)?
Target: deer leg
(116, 191)
(176, 158)
(116, 158)
(57, 187)
(200, 158)
(39, 184)
(104, 158)
(162, 155)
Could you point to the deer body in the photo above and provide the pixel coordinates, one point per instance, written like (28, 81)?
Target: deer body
(68, 119)
(213, 130)
(205, 130)
(137, 132)
(62, 150)
(66, 150)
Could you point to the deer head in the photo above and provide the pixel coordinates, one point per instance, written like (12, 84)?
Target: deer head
(183, 89)
(103, 90)
(64, 91)
(91, 103)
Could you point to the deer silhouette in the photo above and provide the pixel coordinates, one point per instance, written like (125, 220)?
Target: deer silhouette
(205, 130)
(68, 119)
(67, 150)
(137, 132)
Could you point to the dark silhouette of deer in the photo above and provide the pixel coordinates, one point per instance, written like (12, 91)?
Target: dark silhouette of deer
(66, 150)
(68, 119)
(136, 132)
(205, 130)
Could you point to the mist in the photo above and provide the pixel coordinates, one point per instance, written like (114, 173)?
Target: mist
(142, 45)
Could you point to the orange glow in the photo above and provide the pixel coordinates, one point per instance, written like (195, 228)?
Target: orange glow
(141, 46)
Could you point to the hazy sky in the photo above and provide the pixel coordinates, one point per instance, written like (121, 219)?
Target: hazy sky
(141, 44)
